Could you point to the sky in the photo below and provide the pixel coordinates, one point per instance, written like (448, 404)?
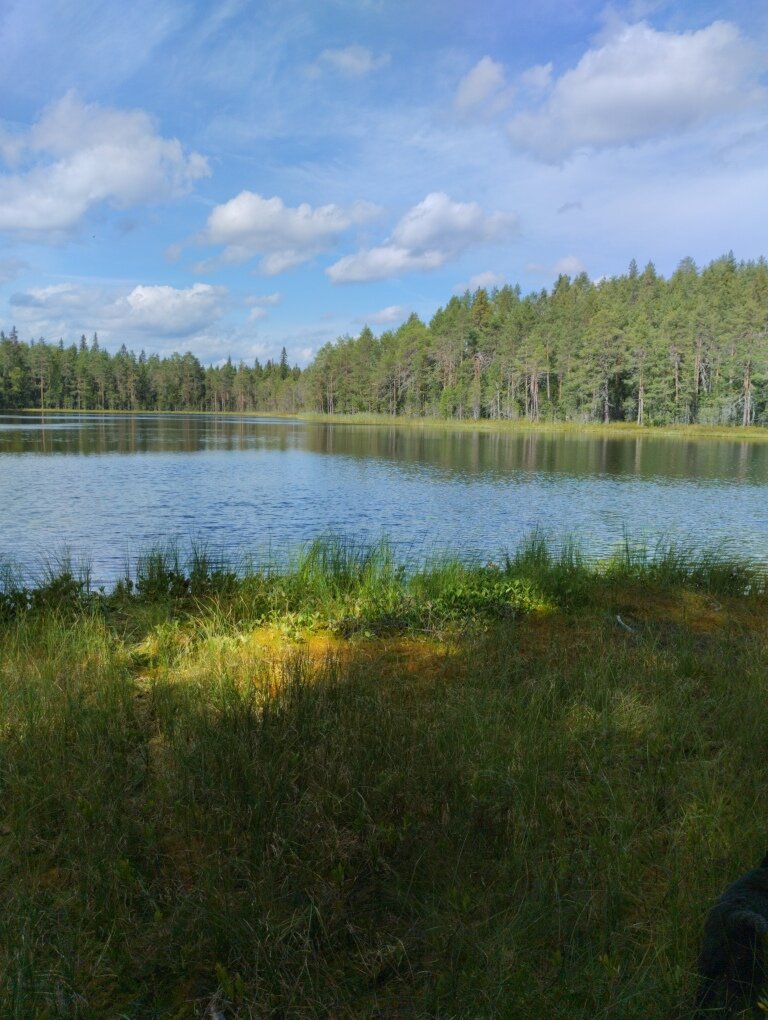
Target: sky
(231, 177)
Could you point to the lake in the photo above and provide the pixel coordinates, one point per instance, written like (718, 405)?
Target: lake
(108, 487)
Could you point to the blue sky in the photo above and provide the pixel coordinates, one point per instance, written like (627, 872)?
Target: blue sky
(233, 177)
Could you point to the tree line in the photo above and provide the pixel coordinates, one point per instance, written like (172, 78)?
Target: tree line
(692, 348)
(85, 377)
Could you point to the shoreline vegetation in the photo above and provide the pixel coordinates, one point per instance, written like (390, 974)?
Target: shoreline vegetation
(629, 430)
(340, 788)
(690, 349)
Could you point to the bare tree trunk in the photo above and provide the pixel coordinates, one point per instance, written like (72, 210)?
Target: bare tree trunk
(676, 375)
(747, 416)
(534, 395)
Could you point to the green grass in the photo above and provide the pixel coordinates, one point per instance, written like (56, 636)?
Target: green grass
(343, 789)
(614, 429)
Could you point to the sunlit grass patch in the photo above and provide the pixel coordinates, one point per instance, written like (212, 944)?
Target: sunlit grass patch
(522, 809)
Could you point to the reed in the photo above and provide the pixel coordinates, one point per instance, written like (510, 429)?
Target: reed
(219, 794)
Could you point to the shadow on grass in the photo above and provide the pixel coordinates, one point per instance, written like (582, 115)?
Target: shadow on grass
(527, 819)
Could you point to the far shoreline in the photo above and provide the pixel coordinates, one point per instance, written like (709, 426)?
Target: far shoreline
(615, 429)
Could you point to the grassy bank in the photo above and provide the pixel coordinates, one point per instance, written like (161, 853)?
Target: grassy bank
(612, 429)
(341, 790)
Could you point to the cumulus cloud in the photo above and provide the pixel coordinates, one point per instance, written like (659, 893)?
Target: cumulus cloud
(80, 155)
(58, 298)
(640, 83)
(537, 77)
(170, 311)
(569, 265)
(352, 61)
(249, 225)
(145, 311)
(429, 235)
(385, 316)
(483, 87)
(487, 281)
(381, 263)
(260, 304)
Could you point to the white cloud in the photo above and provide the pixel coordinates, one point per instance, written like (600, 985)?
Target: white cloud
(483, 83)
(265, 299)
(79, 155)
(487, 280)
(57, 299)
(452, 226)
(281, 261)
(146, 311)
(434, 232)
(385, 316)
(639, 84)
(568, 265)
(250, 225)
(537, 77)
(260, 303)
(172, 312)
(381, 263)
(353, 61)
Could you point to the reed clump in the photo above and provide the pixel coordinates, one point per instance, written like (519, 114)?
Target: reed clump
(348, 788)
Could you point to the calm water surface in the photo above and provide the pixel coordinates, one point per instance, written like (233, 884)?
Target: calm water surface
(108, 488)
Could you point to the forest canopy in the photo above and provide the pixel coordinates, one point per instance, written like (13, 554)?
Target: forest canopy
(692, 348)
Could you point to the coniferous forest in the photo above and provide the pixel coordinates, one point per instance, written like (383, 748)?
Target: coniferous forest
(690, 349)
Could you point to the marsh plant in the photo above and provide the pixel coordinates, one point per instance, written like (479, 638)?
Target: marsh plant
(457, 790)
